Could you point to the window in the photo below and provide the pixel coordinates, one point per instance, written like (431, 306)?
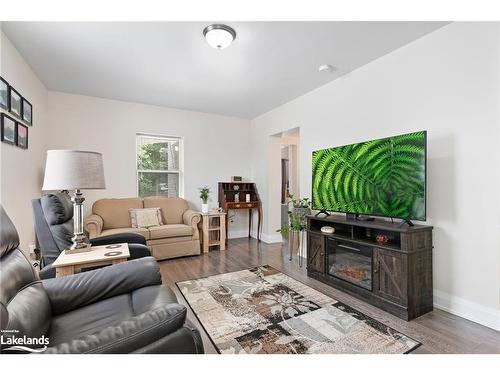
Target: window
(159, 162)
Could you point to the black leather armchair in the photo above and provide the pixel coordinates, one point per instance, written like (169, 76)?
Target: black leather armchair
(117, 309)
(53, 217)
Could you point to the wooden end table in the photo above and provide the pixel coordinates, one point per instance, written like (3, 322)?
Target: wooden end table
(69, 264)
(213, 230)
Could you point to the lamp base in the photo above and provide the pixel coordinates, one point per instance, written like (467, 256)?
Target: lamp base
(80, 241)
(78, 250)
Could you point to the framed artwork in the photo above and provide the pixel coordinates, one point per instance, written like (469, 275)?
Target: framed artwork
(15, 103)
(22, 135)
(27, 112)
(4, 94)
(8, 125)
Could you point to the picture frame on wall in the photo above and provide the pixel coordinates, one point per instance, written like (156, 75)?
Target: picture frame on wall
(4, 94)
(27, 112)
(8, 129)
(22, 135)
(15, 103)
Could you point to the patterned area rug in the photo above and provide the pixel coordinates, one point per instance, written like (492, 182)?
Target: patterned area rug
(262, 310)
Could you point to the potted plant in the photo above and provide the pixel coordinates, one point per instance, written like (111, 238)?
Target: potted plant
(300, 208)
(204, 195)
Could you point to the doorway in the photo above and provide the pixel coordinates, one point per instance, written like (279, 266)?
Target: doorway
(289, 169)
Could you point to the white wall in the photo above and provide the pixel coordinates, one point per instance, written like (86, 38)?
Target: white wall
(215, 147)
(22, 170)
(447, 83)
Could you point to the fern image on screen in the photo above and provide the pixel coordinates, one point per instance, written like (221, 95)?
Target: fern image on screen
(383, 177)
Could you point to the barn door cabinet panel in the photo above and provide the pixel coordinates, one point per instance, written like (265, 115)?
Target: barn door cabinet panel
(389, 276)
(316, 253)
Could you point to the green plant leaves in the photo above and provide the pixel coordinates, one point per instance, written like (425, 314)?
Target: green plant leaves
(384, 177)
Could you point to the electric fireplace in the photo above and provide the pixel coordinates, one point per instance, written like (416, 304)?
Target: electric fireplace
(350, 262)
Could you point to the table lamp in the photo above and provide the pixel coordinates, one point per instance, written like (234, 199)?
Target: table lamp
(74, 170)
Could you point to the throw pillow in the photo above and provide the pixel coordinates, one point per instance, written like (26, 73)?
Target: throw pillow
(145, 217)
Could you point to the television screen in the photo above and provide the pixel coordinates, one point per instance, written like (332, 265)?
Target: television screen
(383, 177)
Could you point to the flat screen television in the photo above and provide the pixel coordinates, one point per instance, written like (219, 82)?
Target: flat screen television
(383, 177)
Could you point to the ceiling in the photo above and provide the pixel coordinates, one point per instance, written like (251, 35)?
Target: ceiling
(170, 64)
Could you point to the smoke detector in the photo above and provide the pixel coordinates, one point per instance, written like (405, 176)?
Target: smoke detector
(326, 68)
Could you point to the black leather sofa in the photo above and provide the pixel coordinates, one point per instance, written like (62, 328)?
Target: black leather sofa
(53, 217)
(117, 309)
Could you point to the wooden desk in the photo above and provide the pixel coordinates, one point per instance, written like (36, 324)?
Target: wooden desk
(250, 206)
(69, 264)
(233, 196)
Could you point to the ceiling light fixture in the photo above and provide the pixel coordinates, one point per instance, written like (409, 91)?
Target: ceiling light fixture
(219, 36)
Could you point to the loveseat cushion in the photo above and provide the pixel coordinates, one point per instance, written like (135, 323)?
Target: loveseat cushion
(172, 209)
(114, 212)
(172, 230)
(142, 231)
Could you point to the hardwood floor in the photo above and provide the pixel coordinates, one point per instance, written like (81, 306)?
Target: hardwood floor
(438, 331)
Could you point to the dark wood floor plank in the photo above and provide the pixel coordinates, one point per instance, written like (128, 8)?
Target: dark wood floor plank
(438, 331)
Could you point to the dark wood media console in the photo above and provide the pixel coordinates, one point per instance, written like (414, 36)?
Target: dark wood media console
(395, 276)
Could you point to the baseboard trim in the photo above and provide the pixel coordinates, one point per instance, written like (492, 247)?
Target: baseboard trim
(271, 238)
(267, 238)
(237, 234)
(466, 309)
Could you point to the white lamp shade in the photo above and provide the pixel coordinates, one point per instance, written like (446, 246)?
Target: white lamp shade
(72, 169)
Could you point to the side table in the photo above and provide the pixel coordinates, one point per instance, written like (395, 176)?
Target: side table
(69, 264)
(213, 230)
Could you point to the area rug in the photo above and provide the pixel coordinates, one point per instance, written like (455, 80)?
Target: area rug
(262, 310)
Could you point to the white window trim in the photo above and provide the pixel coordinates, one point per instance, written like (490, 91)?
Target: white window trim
(180, 171)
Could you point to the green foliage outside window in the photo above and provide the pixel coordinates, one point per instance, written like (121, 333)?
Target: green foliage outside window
(152, 158)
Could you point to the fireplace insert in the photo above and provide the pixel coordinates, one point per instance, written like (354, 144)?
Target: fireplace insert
(350, 262)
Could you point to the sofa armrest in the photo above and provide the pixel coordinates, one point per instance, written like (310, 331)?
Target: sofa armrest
(191, 218)
(71, 292)
(185, 340)
(130, 238)
(48, 272)
(93, 225)
(130, 335)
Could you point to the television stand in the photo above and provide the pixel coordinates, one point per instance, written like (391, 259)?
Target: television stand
(379, 262)
(410, 224)
(322, 212)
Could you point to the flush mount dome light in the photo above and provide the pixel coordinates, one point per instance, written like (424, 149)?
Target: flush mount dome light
(219, 36)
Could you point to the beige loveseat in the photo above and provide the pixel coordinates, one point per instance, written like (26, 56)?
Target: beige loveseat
(178, 237)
